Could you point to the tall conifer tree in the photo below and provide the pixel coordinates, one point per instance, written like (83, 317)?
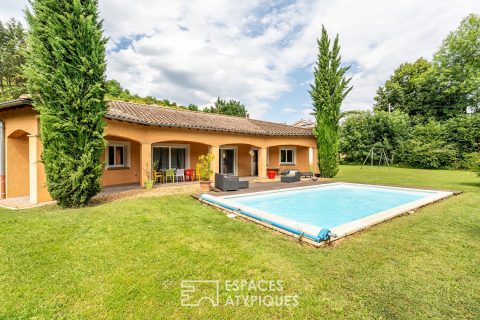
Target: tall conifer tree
(66, 75)
(328, 91)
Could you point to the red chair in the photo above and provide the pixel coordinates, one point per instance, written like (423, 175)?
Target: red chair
(189, 174)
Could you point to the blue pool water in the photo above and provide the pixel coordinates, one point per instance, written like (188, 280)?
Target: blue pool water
(330, 206)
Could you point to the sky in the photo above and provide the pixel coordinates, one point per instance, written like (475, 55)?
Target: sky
(263, 52)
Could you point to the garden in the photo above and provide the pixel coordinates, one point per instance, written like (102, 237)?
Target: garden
(126, 259)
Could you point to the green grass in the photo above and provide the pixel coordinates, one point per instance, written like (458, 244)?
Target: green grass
(126, 259)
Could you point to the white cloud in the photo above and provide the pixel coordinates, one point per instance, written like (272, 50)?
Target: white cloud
(12, 9)
(288, 110)
(307, 114)
(192, 51)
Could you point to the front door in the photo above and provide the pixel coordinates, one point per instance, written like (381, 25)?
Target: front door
(227, 161)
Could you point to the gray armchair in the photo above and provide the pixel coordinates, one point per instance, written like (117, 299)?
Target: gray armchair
(229, 183)
(290, 176)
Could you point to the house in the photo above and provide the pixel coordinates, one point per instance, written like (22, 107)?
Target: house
(136, 135)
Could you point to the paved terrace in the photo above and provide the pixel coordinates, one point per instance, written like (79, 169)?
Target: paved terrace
(134, 191)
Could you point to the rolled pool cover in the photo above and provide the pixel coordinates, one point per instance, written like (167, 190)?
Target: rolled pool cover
(313, 232)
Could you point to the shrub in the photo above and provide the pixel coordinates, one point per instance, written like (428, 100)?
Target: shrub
(429, 154)
(464, 132)
(360, 132)
(204, 166)
(416, 141)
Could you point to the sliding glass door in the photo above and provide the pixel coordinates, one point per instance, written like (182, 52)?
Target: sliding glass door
(170, 157)
(227, 161)
(162, 155)
(177, 158)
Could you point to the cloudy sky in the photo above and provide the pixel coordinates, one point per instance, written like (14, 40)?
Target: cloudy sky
(262, 52)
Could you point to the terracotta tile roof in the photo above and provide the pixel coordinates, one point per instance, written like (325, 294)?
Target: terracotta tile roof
(152, 115)
(168, 117)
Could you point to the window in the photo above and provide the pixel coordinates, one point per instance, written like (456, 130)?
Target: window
(117, 155)
(171, 156)
(287, 156)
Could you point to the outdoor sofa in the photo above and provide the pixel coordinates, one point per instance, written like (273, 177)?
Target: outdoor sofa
(229, 183)
(290, 176)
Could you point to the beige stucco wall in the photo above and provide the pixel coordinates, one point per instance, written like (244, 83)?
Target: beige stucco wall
(117, 176)
(244, 161)
(301, 158)
(17, 171)
(22, 123)
(19, 125)
(151, 134)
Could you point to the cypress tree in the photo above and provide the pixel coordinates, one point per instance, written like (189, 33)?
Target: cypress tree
(328, 91)
(66, 76)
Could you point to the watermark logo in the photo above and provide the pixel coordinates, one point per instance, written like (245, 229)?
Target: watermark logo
(267, 293)
(198, 292)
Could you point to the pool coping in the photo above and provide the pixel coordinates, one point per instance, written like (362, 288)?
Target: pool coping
(348, 228)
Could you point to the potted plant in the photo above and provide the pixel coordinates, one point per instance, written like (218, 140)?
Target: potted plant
(205, 170)
(271, 173)
(148, 177)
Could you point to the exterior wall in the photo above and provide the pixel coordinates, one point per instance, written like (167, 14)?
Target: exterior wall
(244, 161)
(18, 169)
(19, 125)
(301, 159)
(132, 174)
(151, 134)
(23, 119)
(118, 176)
(196, 149)
(23, 151)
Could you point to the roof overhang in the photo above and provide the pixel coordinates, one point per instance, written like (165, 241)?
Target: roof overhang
(17, 103)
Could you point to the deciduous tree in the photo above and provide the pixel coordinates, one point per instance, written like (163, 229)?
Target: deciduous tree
(230, 108)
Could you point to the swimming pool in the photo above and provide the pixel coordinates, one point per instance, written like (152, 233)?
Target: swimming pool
(322, 211)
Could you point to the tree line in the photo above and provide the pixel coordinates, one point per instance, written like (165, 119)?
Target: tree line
(12, 59)
(427, 112)
(430, 144)
(443, 88)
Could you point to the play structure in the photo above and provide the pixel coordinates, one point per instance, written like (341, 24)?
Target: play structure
(378, 154)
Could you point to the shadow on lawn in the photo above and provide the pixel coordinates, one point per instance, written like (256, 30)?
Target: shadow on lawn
(470, 184)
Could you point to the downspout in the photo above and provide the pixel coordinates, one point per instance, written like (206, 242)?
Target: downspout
(2, 161)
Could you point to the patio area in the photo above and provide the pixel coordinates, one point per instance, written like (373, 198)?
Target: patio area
(259, 185)
(133, 190)
(19, 203)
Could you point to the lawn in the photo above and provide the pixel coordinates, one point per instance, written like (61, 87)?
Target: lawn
(126, 259)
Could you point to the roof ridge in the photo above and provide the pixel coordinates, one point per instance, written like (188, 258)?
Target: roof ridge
(178, 109)
(206, 113)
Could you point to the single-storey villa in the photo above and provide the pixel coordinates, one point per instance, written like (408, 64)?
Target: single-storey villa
(137, 135)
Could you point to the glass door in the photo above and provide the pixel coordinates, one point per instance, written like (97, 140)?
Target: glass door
(170, 157)
(161, 154)
(227, 161)
(177, 158)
